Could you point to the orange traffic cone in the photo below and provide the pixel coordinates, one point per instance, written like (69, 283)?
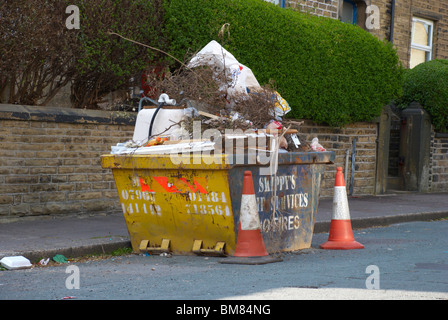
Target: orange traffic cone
(250, 248)
(341, 233)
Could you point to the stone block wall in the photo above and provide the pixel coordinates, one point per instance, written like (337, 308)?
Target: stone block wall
(50, 161)
(340, 140)
(434, 10)
(325, 8)
(438, 180)
(400, 33)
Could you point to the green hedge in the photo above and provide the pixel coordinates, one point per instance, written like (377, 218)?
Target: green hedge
(427, 83)
(328, 71)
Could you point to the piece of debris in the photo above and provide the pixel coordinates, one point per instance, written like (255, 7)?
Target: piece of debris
(59, 258)
(316, 146)
(166, 255)
(15, 263)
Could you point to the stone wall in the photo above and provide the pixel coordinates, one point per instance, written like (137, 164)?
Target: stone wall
(50, 160)
(340, 140)
(438, 180)
(400, 33)
(325, 8)
(434, 10)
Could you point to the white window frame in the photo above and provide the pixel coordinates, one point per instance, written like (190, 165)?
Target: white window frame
(280, 3)
(427, 48)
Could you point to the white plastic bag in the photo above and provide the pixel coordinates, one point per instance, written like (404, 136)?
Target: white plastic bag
(316, 146)
(242, 79)
(15, 262)
(215, 56)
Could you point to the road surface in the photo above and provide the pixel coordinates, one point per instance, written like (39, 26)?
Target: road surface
(403, 261)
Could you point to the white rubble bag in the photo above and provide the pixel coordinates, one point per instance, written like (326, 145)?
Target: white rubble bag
(164, 123)
(242, 79)
(215, 56)
(165, 118)
(15, 262)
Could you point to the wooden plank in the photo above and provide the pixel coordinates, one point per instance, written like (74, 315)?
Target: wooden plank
(208, 115)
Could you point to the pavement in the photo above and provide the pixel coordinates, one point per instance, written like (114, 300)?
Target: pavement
(80, 236)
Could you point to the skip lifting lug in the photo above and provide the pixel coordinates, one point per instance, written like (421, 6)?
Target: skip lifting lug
(218, 250)
(164, 247)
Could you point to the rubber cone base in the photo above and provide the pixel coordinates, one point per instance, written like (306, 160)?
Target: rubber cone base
(250, 244)
(341, 237)
(341, 245)
(250, 249)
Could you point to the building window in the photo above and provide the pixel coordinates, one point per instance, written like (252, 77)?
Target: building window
(349, 12)
(281, 3)
(421, 41)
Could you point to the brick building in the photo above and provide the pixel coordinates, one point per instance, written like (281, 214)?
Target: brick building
(418, 28)
(419, 31)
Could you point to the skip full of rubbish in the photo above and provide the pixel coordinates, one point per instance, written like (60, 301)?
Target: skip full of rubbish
(215, 99)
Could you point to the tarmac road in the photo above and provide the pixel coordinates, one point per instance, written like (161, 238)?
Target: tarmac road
(78, 236)
(402, 261)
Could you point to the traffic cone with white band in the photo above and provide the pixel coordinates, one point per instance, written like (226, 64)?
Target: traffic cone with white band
(341, 233)
(250, 248)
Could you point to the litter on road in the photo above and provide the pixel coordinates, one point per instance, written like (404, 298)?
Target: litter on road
(15, 262)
